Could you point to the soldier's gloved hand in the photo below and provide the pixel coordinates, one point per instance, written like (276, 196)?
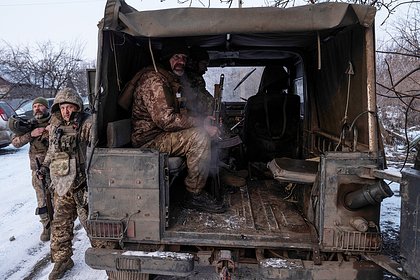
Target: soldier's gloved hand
(37, 131)
(212, 131)
(42, 172)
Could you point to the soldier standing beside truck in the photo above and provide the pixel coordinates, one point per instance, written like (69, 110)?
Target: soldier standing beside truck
(37, 137)
(158, 123)
(66, 157)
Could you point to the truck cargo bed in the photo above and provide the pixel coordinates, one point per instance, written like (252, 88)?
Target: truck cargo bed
(258, 216)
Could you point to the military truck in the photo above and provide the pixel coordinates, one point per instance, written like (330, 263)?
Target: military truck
(299, 92)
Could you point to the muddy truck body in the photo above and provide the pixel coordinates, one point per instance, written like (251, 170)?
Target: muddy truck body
(312, 151)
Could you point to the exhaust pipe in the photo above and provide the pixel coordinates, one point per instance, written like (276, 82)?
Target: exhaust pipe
(368, 195)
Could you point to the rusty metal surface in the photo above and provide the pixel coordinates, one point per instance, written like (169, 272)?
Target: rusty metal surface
(410, 221)
(293, 170)
(361, 270)
(388, 174)
(167, 263)
(339, 177)
(124, 185)
(297, 269)
(257, 216)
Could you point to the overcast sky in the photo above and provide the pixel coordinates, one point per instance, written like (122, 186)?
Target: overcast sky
(73, 21)
(29, 21)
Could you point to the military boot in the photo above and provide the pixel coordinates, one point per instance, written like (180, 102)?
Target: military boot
(202, 201)
(60, 268)
(45, 235)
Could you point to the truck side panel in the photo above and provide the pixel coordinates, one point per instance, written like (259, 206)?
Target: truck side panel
(125, 187)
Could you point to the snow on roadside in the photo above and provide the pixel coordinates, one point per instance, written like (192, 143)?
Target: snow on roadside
(19, 227)
(390, 208)
(20, 247)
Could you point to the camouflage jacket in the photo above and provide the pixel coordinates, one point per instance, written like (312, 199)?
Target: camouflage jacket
(69, 140)
(198, 101)
(38, 145)
(156, 108)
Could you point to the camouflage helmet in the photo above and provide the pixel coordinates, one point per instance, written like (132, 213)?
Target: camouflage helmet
(67, 95)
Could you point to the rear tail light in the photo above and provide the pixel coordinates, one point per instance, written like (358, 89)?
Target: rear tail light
(3, 114)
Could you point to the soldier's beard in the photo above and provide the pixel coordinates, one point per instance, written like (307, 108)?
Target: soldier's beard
(179, 73)
(39, 115)
(178, 69)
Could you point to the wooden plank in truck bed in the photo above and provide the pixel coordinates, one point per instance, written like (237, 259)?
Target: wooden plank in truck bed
(258, 216)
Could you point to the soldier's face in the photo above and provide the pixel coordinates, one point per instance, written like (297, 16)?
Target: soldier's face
(39, 110)
(66, 109)
(177, 62)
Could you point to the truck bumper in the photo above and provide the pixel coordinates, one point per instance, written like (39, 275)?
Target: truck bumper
(164, 263)
(279, 268)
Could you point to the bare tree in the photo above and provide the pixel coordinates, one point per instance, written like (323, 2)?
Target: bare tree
(45, 65)
(398, 79)
(399, 69)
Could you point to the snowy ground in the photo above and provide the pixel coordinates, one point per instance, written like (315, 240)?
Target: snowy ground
(23, 256)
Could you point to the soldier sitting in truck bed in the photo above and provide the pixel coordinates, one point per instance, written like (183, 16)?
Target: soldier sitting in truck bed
(198, 101)
(157, 123)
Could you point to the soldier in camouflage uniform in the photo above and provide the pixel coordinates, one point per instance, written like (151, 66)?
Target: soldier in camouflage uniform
(66, 159)
(158, 123)
(198, 101)
(38, 140)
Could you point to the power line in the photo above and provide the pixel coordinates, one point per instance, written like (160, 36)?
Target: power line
(49, 3)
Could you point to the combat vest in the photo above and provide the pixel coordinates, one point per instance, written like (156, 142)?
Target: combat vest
(67, 167)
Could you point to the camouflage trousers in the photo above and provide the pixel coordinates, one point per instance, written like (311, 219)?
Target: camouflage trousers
(37, 185)
(66, 209)
(192, 143)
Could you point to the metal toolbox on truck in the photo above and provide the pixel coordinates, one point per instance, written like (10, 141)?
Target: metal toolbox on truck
(129, 194)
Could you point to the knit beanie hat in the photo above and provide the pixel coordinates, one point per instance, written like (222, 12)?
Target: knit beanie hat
(40, 100)
(173, 46)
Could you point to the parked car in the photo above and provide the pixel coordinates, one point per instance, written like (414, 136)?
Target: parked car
(5, 134)
(25, 111)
